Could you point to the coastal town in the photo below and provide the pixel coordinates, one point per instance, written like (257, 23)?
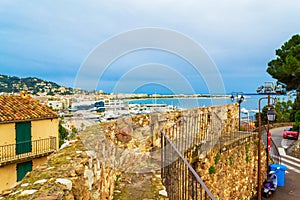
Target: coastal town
(149, 100)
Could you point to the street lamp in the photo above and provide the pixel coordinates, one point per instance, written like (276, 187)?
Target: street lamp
(271, 117)
(239, 96)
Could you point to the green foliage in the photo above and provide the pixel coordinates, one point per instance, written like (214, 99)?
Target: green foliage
(263, 116)
(247, 158)
(286, 66)
(296, 126)
(297, 116)
(117, 179)
(63, 133)
(71, 136)
(217, 158)
(283, 110)
(296, 107)
(212, 170)
(286, 69)
(32, 85)
(230, 160)
(74, 129)
(247, 148)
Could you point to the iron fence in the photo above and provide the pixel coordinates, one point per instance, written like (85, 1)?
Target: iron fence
(179, 177)
(192, 137)
(22, 150)
(199, 132)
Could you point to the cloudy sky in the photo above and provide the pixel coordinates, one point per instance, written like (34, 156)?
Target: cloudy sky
(55, 40)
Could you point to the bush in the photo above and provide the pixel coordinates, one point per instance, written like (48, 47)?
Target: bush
(63, 133)
(296, 126)
(297, 116)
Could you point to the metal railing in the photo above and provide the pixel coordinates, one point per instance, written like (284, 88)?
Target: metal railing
(203, 130)
(179, 177)
(275, 153)
(14, 152)
(190, 134)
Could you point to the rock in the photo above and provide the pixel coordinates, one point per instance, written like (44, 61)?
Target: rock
(123, 138)
(40, 181)
(65, 182)
(84, 161)
(126, 131)
(14, 193)
(5, 192)
(89, 174)
(28, 192)
(163, 193)
(49, 168)
(91, 154)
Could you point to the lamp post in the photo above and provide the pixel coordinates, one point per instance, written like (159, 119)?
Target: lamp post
(239, 96)
(271, 117)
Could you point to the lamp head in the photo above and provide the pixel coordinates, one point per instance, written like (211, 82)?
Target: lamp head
(242, 98)
(271, 114)
(232, 98)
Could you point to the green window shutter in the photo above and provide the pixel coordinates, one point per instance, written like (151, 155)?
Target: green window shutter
(23, 137)
(22, 169)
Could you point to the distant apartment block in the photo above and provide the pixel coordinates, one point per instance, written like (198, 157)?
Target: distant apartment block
(28, 134)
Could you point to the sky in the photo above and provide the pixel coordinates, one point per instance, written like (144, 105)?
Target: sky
(158, 46)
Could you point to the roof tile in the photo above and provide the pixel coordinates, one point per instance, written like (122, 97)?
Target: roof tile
(18, 108)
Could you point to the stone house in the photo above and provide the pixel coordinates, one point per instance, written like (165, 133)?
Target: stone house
(28, 134)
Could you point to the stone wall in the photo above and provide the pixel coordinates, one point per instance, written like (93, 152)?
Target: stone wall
(88, 167)
(230, 171)
(71, 173)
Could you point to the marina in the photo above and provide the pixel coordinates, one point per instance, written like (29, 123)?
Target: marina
(83, 113)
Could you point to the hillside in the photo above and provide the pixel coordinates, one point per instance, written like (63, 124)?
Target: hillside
(13, 84)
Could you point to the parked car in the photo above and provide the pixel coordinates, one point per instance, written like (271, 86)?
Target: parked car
(288, 133)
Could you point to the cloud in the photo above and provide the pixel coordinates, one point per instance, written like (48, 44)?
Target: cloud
(50, 36)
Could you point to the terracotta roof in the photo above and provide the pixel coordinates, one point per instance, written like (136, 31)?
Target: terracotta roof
(19, 108)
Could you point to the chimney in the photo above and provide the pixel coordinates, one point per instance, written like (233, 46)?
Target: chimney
(23, 94)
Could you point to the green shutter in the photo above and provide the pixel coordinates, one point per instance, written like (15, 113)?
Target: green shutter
(23, 137)
(22, 169)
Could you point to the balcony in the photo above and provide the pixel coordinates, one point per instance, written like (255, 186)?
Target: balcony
(21, 152)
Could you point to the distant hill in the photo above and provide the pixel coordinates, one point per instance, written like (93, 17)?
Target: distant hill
(13, 84)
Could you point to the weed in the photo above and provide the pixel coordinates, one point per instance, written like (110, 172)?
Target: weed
(217, 158)
(247, 158)
(230, 160)
(212, 170)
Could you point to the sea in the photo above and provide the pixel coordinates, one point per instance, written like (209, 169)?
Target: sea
(248, 107)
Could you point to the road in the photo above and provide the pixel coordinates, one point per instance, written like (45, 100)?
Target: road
(291, 189)
(277, 138)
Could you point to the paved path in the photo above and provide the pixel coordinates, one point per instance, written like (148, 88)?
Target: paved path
(291, 189)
